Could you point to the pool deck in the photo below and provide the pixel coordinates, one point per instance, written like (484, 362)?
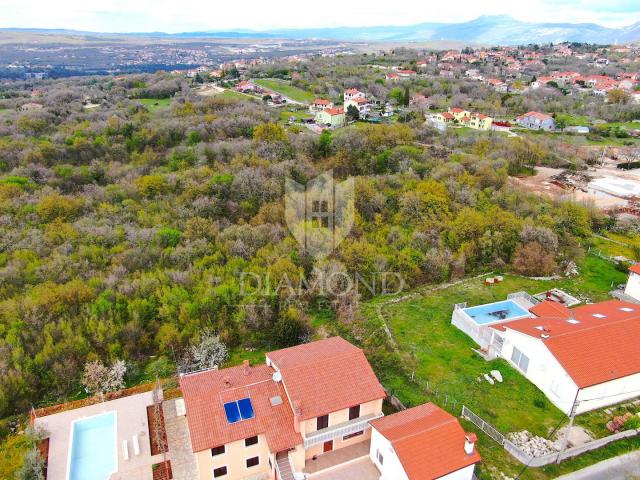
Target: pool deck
(131, 420)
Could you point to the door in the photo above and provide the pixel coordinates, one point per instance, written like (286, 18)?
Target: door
(328, 446)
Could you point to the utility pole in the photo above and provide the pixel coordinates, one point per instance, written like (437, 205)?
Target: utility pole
(572, 416)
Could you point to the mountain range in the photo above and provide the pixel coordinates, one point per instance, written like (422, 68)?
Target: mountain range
(489, 30)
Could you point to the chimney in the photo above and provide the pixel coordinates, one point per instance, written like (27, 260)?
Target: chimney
(297, 412)
(470, 440)
(246, 366)
(227, 381)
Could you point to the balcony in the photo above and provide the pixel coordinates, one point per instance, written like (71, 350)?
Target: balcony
(339, 430)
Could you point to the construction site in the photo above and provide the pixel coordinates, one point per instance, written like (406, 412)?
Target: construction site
(612, 184)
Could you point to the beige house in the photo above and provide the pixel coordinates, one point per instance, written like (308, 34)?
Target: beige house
(465, 118)
(281, 418)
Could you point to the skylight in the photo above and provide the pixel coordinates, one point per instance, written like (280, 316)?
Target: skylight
(599, 315)
(573, 321)
(239, 410)
(626, 309)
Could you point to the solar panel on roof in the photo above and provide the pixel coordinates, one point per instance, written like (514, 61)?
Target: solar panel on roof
(246, 408)
(232, 411)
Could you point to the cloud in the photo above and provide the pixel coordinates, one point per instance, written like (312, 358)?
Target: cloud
(191, 15)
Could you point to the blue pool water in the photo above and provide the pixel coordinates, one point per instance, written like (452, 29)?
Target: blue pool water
(93, 448)
(496, 312)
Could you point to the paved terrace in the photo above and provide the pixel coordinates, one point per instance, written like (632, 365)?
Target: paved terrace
(131, 413)
(349, 462)
(183, 461)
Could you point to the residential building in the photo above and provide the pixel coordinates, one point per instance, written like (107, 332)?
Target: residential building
(331, 117)
(353, 93)
(422, 443)
(632, 288)
(362, 104)
(582, 358)
(320, 104)
(465, 118)
(267, 421)
(479, 121)
(536, 121)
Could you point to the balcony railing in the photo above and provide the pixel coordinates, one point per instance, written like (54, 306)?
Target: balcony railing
(339, 430)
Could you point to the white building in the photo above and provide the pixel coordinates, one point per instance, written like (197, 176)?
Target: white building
(583, 358)
(422, 443)
(633, 283)
(352, 94)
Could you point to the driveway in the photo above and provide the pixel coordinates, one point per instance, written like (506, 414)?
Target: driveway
(624, 467)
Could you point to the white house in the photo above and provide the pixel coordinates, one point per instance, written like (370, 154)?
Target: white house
(352, 94)
(583, 358)
(362, 105)
(422, 443)
(536, 121)
(633, 283)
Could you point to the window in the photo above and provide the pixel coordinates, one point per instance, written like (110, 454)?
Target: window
(253, 462)
(217, 450)
(354, 412)
(379, 457)
(250, 441)
(322, 422)
(320, 214)
(520, 359)
(219, 472)
(352, 435)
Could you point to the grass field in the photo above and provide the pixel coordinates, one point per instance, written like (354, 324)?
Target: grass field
(299, 115)
(154, 103)
(447, 371)
(232, 95)
(286, 89)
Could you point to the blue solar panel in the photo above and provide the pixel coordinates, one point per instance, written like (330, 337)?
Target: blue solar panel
(246, 409)
(232, 411)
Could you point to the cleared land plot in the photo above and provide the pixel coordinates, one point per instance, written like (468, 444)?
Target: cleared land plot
(286, 89)
(154, 103)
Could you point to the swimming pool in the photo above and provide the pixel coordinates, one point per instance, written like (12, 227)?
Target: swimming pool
(92, 453)
(496, 312)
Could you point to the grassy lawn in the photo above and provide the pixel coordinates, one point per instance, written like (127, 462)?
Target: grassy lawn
(233, 95)
(448, 372)
(611, 245)
(284, 88)
(154, 103)
(298, 115)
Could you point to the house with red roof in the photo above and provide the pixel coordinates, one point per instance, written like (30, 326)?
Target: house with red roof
(319, 105)
(632, 289)
(536, 121)
(271, 420)
(353, 93)
(583, 358)
(422, 443)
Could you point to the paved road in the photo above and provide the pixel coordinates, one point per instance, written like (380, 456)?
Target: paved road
(624, 467)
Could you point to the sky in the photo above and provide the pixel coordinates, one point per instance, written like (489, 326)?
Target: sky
(173, 16)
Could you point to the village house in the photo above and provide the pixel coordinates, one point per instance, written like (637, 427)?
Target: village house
(422, 443)
(352, 93)
(581, 358)
(536, 121)
(361, 104)
(465, 118)
(632, 289)
(319, 105)
(247, 87)
(331, 117)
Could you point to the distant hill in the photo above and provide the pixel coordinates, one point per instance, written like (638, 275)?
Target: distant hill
(488, 30)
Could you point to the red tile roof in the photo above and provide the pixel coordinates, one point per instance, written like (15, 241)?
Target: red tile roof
(549, 308)
(598, 344)
(206, 392)
(538, 115)
(334, 111)
(635, 268)
(428, 441)
(447, 115)
(321, 101)
(326, 376)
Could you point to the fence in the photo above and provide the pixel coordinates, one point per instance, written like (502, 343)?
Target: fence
(549, 458)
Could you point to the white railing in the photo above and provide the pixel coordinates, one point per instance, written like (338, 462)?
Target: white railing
(339, 430)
